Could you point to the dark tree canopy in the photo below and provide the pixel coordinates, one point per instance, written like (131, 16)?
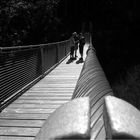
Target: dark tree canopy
(27, 22)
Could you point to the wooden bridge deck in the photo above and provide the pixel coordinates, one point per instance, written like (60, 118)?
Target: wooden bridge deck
(23, 119)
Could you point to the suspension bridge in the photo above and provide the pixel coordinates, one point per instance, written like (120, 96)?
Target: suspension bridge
(38, 80)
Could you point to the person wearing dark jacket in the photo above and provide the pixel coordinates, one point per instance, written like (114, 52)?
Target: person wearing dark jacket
(72, 44)
(76, 40)
(81, 45)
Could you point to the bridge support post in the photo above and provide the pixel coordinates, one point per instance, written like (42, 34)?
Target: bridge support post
(42, 60)
(57, 55)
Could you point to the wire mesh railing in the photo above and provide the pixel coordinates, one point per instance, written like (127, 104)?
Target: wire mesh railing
(21, 66)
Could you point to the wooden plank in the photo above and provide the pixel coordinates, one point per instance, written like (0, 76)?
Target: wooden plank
(41, 101)
(15, 138)
(37, 106)
(51, 89)
(31, 111)
(58, 81)
(45, 88)
(64, 73)
(24, 116)
(45, 98)
(18, 131)
(61, 77)
(54, 85)
(20, 123)
(55, 81)
(48, 94)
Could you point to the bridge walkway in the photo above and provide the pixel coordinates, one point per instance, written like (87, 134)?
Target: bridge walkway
(23, 119)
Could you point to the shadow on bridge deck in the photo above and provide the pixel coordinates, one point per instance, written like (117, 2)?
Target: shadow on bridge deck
(23, 119)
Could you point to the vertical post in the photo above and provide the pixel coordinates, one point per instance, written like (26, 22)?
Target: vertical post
(42, 60)
(65, 49)
(57, 55)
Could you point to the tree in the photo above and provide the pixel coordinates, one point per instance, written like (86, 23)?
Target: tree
(26, 22)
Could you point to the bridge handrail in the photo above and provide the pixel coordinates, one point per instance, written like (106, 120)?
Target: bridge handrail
(31, 46)
(22, 66)
(92, 83)
(109, 117)
(38, 45)
(117, 118)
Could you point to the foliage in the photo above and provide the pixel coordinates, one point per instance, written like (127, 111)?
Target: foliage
(128, 88)
(26, 22)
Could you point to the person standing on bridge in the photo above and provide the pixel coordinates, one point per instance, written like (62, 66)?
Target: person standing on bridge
(76, 40)
(72, 46)
(81, 45)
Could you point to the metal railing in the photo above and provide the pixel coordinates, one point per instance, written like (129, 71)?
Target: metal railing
(110, 117)
(93, 84)
(21, 66)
